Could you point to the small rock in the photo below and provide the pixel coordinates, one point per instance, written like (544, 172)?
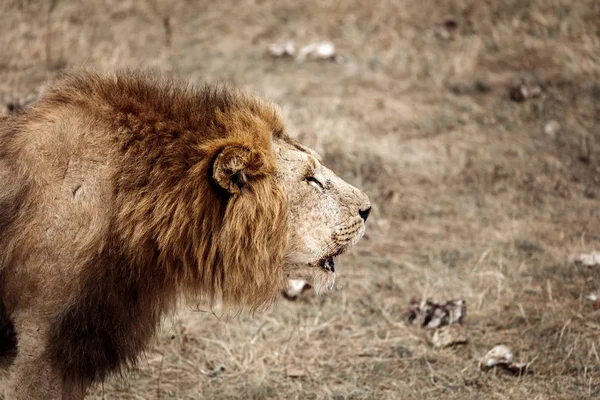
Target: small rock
(588, 260)
(524, 89)
(433, 315)
(285, 49)
(314, 51)
(295, 373)
(595, 299)
(585, 149)
(551, 128)
(502, 356)
(449, 335)
(317, 51)
(214, 372)
(445, 30)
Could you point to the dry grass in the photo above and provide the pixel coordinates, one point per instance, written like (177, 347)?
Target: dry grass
(472, 199)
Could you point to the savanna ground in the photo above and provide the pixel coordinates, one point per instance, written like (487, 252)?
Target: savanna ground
(472, 197)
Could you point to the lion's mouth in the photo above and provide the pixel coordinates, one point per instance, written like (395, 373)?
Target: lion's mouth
(327, 264)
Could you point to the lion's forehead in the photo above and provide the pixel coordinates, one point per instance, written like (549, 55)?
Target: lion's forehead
(289, 153)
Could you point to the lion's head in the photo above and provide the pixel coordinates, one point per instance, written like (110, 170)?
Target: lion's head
(323, 214)
(326, 215)
(287, 215)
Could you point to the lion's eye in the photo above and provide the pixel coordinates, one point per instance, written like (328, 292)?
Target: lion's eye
(315, 182)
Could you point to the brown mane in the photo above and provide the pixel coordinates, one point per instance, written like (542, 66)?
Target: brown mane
(165, 226)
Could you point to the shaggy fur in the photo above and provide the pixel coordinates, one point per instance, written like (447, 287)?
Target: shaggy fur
(118, 193)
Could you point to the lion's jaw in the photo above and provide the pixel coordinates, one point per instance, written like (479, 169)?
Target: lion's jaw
(326, 215)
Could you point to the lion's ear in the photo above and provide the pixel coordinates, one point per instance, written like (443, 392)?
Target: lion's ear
(233, 166)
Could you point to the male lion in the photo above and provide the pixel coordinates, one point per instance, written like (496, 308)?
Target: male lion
(118, 193)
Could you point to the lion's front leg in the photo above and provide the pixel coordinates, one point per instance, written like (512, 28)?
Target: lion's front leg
(32, 374)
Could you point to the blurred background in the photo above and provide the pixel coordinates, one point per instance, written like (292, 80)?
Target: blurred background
(473, 126)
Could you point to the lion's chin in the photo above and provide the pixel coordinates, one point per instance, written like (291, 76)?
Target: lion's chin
(322, 281)
(323, 275)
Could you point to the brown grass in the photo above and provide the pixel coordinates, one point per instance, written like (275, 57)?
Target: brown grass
(471, 198)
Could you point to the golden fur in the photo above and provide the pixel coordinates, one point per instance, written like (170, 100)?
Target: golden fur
(118, 193)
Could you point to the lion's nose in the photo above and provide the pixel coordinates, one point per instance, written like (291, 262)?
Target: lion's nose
(364, 214)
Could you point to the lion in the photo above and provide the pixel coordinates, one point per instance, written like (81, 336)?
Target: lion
(121, 193)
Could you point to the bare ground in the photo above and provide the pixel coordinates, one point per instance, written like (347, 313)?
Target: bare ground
(472, 198)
